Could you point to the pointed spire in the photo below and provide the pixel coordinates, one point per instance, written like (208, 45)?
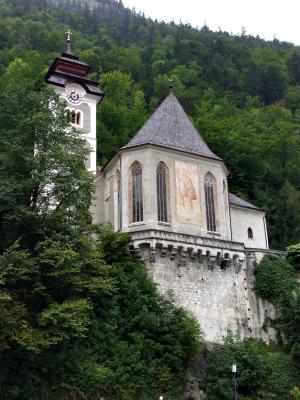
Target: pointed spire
(169, 126)
(68, 48)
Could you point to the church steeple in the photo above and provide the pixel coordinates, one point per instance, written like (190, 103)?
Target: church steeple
(69, 78)
(68, 68)
(169, 126)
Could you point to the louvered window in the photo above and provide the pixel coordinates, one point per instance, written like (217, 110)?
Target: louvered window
(250, 233)
(137, 192)
(161, 183)
(210, 203)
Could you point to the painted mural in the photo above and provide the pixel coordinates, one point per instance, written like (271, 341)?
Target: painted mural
(188, 206)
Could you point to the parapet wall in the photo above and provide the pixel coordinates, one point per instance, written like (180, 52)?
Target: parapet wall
(211, 278)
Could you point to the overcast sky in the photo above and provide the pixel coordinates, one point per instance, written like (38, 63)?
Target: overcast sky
(266, 18)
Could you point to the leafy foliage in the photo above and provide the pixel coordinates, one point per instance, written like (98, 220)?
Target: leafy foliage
(242, 92)
(274, 279)
(295, 393)
(263, 372)
(293, 256)
(80, 319)
(277, 283)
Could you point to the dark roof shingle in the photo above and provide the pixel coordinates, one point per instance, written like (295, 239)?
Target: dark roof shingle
(170, 126)
(237, 201)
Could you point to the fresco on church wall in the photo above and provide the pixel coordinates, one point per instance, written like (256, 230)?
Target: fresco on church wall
(188, 207)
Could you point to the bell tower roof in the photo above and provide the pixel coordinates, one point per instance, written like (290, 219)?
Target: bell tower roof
(67, 68)
(169, 126)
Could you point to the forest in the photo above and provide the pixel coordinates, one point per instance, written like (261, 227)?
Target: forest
(241, 92)
(80, 319)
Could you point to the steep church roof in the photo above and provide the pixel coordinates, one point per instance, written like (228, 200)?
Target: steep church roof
(237, 201)
(169, 126)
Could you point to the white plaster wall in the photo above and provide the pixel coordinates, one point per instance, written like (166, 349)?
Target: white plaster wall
(244, 218)
(149, 157)
(91, 101)
(97, 208)
(104, 207)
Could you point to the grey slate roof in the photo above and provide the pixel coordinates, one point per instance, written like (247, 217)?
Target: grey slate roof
(237, 201)
(170, 126)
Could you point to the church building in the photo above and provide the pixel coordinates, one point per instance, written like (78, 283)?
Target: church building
(167, 179)
(170, 192)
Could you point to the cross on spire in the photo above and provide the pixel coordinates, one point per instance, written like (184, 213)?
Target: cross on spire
(68, 33)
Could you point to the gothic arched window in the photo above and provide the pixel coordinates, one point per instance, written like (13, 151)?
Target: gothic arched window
(137, 192)
(210, 203)
(118, 181)
(250, 233)
(161, 184)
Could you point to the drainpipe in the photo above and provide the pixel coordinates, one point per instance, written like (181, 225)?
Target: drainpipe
(120, 206)
(228, 177)
(265, 229)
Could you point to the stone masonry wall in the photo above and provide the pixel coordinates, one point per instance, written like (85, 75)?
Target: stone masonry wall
(220, 297)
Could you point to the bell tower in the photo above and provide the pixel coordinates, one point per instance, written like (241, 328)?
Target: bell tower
(69, 77)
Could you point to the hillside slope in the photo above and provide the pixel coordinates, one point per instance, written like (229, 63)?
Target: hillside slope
(242, 92)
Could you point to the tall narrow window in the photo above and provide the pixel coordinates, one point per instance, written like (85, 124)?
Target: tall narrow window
(76, 117)
(161, 184)
(118, 179)
(250, 233)
(137, 192)
(210, 203)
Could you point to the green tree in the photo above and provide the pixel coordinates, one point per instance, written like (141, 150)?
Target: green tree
(263, 372)
(121, 115)
(295, 393)
(274, 279)
(80, 317)
(292, 98)
(261, 143)
(293, 256)
(293, 64)
(276, 282)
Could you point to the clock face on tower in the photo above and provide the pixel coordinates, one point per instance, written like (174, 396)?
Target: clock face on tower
(74, 96)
